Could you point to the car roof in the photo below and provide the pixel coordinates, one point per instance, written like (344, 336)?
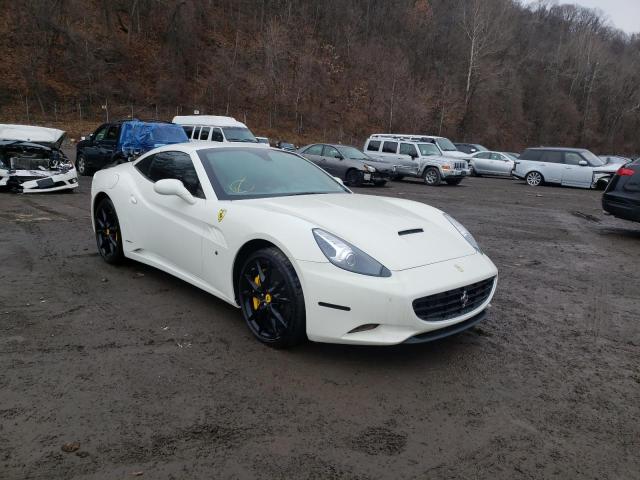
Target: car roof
(406, 137)
(564, 149)
(189, 147)
(208, 120)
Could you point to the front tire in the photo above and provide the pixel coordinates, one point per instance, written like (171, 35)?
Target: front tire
(108, 233)
(534, 179)
(271, 299)
(353, 178)
(432, 177)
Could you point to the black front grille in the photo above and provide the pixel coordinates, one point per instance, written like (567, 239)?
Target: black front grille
(460, 165)
(453, 303)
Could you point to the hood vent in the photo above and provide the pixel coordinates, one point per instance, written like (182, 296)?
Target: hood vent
(410, 232)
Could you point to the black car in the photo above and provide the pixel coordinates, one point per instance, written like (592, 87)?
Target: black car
(622, 196)
(470, 147)
(123, 141)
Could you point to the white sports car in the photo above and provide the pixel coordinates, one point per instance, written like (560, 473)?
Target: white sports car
(302, 256)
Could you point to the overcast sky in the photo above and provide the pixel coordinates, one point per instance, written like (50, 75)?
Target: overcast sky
(624, 14)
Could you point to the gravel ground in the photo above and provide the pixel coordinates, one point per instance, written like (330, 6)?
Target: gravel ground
(140, 374)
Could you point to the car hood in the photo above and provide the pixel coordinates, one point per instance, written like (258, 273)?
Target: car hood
(30, 133)
(455, 154)
(373, 223)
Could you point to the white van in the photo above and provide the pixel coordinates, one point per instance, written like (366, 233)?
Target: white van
(214, 128)
(408, 157)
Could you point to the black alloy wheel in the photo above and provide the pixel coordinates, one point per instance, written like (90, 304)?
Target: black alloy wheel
(271, 299)
(108, 233)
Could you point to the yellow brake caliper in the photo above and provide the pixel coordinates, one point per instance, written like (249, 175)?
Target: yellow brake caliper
(256, 300)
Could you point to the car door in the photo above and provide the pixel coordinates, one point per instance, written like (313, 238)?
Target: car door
(91, 151)
(332, 161)
(106, 146)
(314, 154)
(551, 166)
(481, 162)
(574, 174)
(410, 158)
(167, 229)
(505, 165)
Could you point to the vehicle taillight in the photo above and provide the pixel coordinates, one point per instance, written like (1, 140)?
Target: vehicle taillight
(625, 172)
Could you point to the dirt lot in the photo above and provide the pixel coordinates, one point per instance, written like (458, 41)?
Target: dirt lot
(153, 377)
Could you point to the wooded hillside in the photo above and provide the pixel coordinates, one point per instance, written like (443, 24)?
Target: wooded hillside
(486, 71)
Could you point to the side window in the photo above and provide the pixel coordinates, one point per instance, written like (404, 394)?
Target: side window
(496, 156)
(216, 135)
(188, 129)
(330, 152)
(483, 156)
(534, 155)
(314, 150)
(204, 133)
(176, 165)
(112, 133)
(101, 133)
(390, 147)
(196, 132)
(374, 146)
(552, 157)
(572, 158)
(143, 165)
(408, 149)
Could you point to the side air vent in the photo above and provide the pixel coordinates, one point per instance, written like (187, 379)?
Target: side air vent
(410, 232)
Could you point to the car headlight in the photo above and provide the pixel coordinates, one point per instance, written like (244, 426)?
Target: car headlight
(344, 255)
(464, 232)
(369, 168)
(446, 167)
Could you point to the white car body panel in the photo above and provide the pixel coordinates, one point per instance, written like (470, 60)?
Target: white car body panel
(191, 242)
(30, 133)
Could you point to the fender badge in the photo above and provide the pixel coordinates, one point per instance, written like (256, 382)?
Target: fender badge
(221, 213)
(459, 268)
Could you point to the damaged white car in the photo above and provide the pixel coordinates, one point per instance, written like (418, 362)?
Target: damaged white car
(32, 161)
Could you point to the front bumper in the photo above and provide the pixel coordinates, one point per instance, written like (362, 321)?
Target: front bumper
(621, 207)
(39, 181)
(337, 301)
(455, 173)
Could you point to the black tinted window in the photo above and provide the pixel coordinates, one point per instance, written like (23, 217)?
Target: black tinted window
(101, 132)
(188, 129)
(112, 133)
(390, 147)
(408, 149)
(374, 146)
(552, 157)
(532, 155)
(177, 165)
(216, 135)
(204, 133)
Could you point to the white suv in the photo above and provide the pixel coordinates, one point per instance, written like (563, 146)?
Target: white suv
(420, 158)
(213, 128)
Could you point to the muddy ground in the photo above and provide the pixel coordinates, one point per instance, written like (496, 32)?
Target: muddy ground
(156, 379)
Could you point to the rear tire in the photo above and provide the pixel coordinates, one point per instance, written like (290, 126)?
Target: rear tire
(534, 179)
(108, 233)
(81, 165)
(271, 299)
(432, 177)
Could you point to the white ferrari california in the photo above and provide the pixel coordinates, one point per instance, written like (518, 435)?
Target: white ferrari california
(299, 253)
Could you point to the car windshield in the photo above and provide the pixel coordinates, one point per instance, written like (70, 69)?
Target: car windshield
(244, 173)
(480, 148)
(427, 149)
(592, 158)
(352, 153)
(446, 145)
(239, 134)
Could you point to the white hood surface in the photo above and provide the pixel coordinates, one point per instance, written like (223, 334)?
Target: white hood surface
(29, 133)
(372, 223)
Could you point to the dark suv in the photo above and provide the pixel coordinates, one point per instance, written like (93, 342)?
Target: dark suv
(123, 141)
(622, 197)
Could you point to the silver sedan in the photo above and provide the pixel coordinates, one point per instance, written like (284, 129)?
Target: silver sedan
(492, 163)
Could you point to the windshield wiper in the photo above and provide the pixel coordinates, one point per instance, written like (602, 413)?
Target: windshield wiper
(306, 193)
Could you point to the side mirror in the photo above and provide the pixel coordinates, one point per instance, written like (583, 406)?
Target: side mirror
(171, 186)
(83, 138)
(339, 157)
(413, 156)
(583, 163)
